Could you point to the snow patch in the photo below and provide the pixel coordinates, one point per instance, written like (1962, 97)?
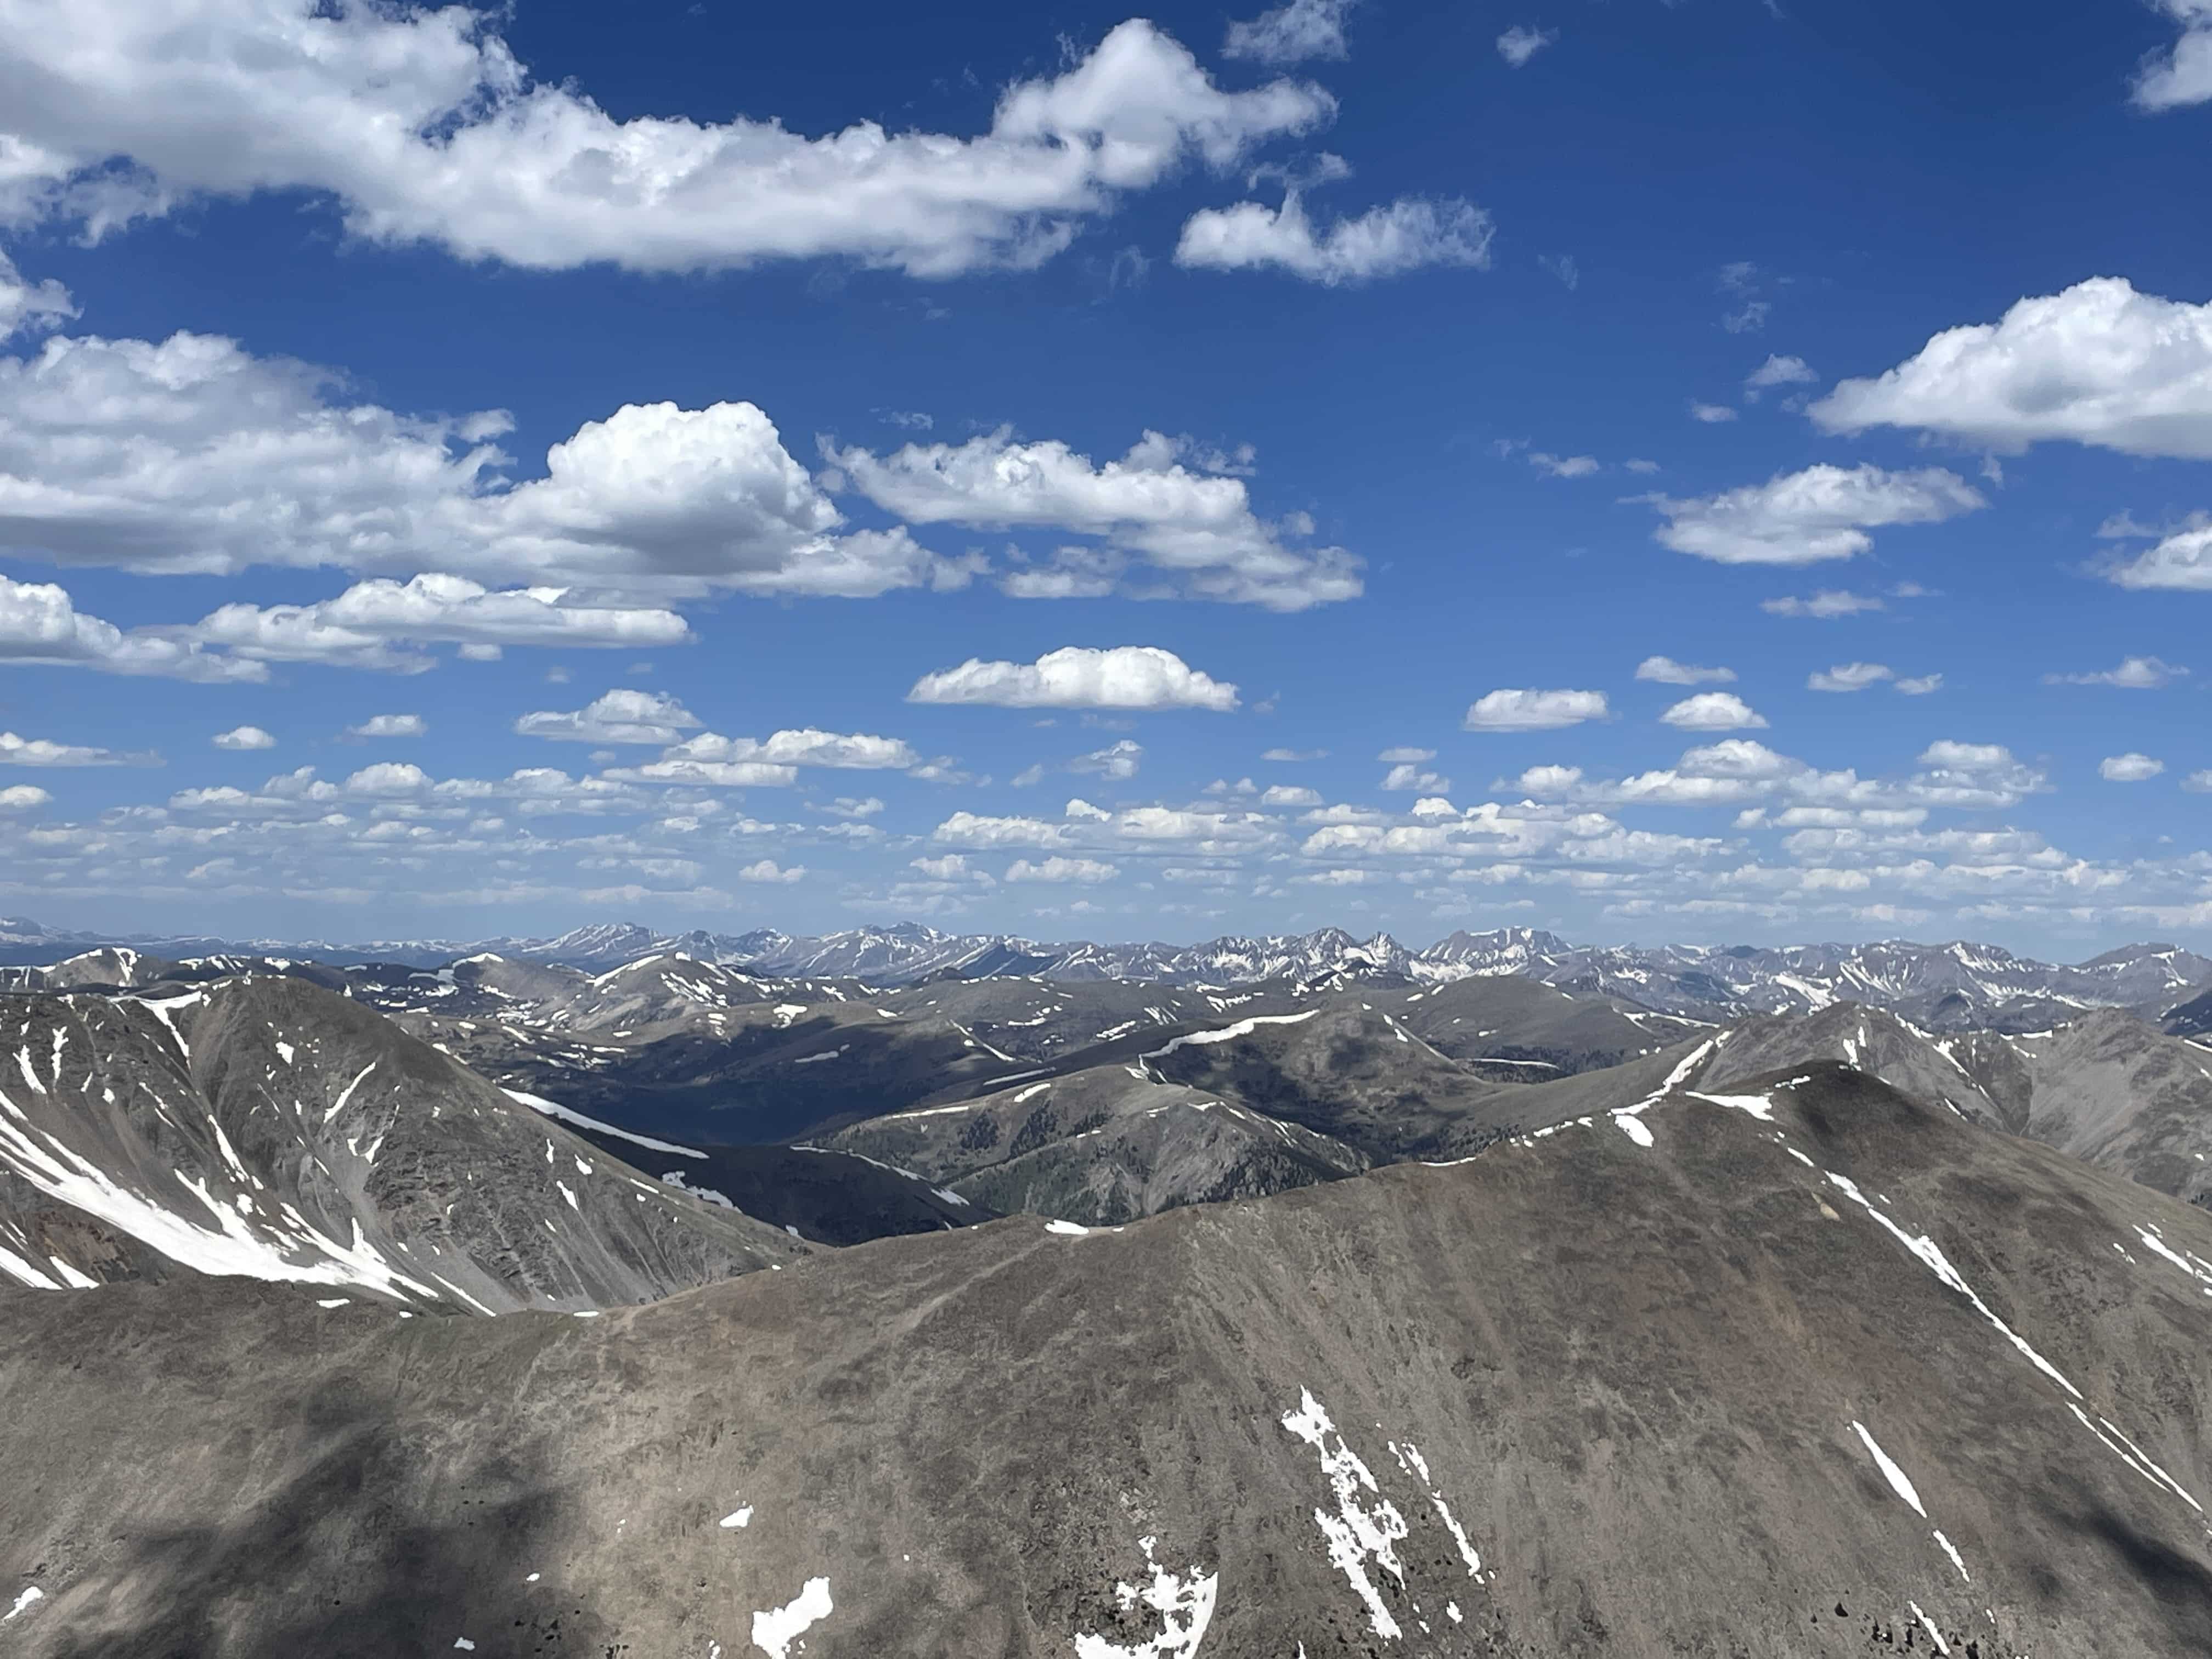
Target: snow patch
(1896, 1477)
(1934, 1635)
(1949, 1550)
(2157, 1246)
(775, 1630)
(346, 1094)
(539, 1104)
(1760, 1106)
(1185, 1605)
(1356, 1533)
(23, 1273)
(1242, 1028)
(1628, 1116)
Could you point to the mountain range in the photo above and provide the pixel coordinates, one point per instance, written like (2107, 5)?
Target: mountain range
(1951, 986)
(499, 1304)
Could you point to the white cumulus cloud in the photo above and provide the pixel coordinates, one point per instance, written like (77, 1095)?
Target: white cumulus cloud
(1193, 525)
(30, 308)
(1089, 872)
(193, 455)
(2182, 559)
(1667, 671)
(773, 762)
(1777, 370)
(1125, 676)
(2098, 364)
(1713, 711)
(2181, 74)
(41, 624)
(1802, 518)
(1291, 33)
(423, 126)
(1827, 605)
(965, 828)
(1520, 43)
(1410, 234)
(244, 737)
(1409, 775)
(1117, 761)
(1849, 677)
(43, 751)
(2130, 768)
(1522, 710)
(2133, 674)
(621, 715)
(389, 726)
(370, 624)
(767, 870)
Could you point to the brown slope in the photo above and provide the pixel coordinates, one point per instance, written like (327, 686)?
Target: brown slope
(2114, 1090)
(1629, 1372)
(2105, 1087)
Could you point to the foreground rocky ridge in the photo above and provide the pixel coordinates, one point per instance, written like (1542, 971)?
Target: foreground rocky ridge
(1795, 1369)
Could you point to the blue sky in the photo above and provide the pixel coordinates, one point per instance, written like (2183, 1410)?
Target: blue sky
(977, 445)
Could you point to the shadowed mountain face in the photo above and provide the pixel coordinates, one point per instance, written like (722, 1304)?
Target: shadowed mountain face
(771, 1072)
(1802, 1368)
(264, 1128)
(817, 1193)
(1532, 1031)
(2191, 1017)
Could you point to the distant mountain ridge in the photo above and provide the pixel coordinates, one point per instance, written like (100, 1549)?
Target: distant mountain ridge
(1952, 986)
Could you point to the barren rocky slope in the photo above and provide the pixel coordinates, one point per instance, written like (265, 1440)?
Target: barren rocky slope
(262, 1127)
(1798, 1370)
(2105, 1087)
